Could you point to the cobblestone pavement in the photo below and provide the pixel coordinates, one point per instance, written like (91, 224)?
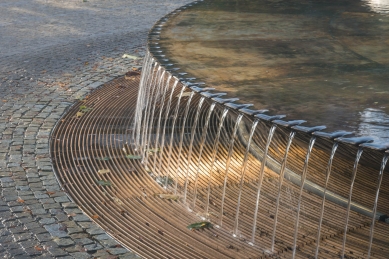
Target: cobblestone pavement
(51, 53)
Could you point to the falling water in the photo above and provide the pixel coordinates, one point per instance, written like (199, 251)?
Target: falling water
(203, 138)
(149, 96)
(334, 147)
(148, 65)
(150, 130)
(281, 179)
(182, 139)
(150, 124)
(260, 180)
(303, 177)
(230, 149)
(359, 153)
(193, 133)
(214, 153)
(245, 161)
(161, 153)
(159, 122)
(380, 176)
(172, 134)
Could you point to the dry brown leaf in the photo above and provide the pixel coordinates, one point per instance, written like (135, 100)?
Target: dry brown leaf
(118, 201)
(38, 248)
(20, 200)
(95, 216)
(169, 197)
(104, 171)
(50, 193)
(79, 114)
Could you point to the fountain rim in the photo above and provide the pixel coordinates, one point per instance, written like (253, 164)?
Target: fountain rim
(363, 142)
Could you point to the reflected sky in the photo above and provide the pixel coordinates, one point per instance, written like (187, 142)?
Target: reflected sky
(378, 6)
(374, 123)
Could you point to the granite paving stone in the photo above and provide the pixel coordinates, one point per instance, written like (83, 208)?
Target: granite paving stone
(42, 72)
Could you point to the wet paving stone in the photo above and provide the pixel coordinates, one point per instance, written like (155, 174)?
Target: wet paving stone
(39, 79)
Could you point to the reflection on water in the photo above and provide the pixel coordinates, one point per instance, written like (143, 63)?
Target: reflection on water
(378, 6)
(374, 123)
(323, 61)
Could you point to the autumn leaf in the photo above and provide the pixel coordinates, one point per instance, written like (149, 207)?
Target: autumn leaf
(20, 200)
(169, 197)
(163, 180)
(104, 171)
(200, 225)
(79, 114)
(155, 150)
(104, 183)
(134, 157)
(50, 193)
(185, 94)
(117, 200)
(38, 248)
(95, 216)
(129, 56)
(84, 108)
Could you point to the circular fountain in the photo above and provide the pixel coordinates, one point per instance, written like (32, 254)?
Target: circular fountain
(181, 150)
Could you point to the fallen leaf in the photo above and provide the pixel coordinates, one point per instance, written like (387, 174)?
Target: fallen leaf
(86, 63)
(50, 193)
(38, 248)
(200, 225)
(118, 201)
(95, 216)
(104, 183)
(134, 157)
(169, 197)
(72, 214)
(104, 171)
(20, 200)
(129, 56)
(84, 108)
(79, 114)
(163, 180)
(184, 94)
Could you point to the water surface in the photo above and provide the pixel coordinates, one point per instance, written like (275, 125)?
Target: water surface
(322, 61)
